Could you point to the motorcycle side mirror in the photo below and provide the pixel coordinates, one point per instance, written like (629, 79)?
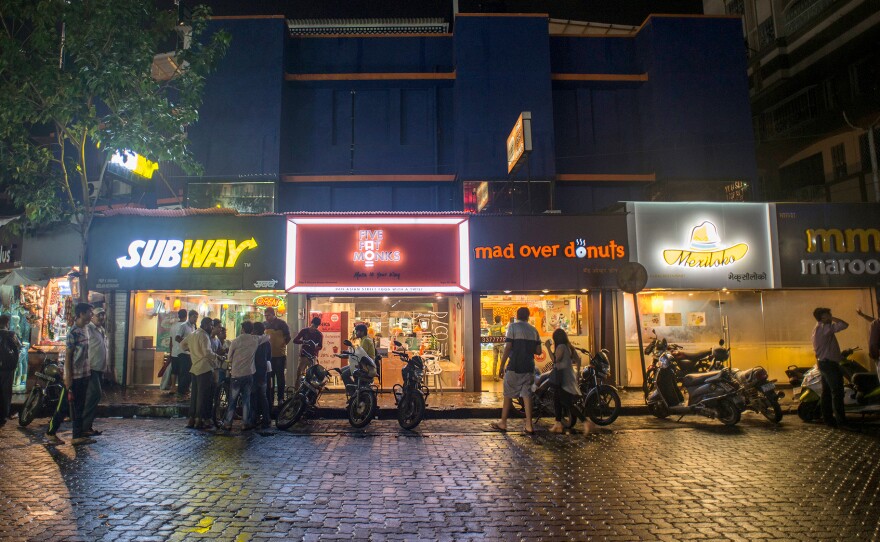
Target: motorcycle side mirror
(721, 342)
(397, 343)
(346, 342)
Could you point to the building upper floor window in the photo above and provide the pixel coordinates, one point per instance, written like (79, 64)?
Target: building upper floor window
(838, 161)
(244, 197)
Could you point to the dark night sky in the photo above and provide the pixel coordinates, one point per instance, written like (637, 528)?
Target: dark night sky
(632, 12)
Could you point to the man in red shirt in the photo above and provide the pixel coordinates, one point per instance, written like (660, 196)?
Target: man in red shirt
(306, 337)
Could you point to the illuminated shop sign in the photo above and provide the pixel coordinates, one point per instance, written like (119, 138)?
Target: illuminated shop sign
(519, 142)
(134, 163)
(702, 245)
(195, 253)
(204, 252)
(268, 301)
(547, 252)
(374, 254)
(829, 244)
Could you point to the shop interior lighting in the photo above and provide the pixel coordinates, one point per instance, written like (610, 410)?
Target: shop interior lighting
(583, 290)
(546, 291)
(506, 291)
(151, 303)
(176, 304)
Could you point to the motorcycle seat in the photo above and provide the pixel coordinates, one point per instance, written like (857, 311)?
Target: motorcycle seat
(694, 356)
(701, 378)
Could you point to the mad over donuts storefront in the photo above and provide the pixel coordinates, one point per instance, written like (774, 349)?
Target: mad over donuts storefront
(154, 263)
(751, 274)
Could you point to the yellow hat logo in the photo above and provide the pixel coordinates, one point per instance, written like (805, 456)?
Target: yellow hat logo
(705, 249)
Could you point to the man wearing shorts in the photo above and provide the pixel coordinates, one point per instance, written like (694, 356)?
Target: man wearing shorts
(522, 342)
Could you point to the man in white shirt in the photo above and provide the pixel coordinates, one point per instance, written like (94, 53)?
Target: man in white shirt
(242, 369)
(198, 344)
(184, 360)
(98, 362)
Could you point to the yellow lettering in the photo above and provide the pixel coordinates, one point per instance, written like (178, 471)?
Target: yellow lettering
(235, 251)
(826, 237)
(218, 254)
(717, 258)
(195, 252)
(864, 238)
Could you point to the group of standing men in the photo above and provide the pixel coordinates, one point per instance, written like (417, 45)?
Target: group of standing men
(257, 360)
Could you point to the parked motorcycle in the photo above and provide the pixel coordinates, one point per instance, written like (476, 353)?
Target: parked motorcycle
(44, 396)
(360, 392)
(759, 393)
(685, 363)
(411, 398)
(714, 394)
(861, 390)
(304, 400)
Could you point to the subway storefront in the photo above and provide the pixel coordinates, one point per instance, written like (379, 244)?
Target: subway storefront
(219, 264)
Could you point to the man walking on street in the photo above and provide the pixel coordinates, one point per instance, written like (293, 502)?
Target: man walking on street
(305, 337)
(10, 347)
(279, 337)
(98, 354)
(184, 358)
(242, 369)
(76, 371)
(522, 343)
(204, 360)
(827, 352)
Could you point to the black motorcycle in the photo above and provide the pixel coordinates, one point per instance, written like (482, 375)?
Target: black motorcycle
(360, 392)
(714, 394)
(412, 397)
(685, 363)
(44, 396)
(304, 400)
(759, 393)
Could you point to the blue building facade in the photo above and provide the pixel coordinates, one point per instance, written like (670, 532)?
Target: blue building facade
(412, 122)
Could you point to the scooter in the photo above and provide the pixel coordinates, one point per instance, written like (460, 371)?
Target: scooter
(685, 363)
(411, 398)
(759, 393)
(312, 386)
(861, 390)
(42, 400)
(714, 394)
(360, 392)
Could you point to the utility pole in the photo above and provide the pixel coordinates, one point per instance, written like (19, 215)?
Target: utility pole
(872, 150)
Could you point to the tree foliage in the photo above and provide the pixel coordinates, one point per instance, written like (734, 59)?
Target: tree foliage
(77, 86)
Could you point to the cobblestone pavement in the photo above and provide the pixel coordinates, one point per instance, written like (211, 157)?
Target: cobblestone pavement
(645, 479)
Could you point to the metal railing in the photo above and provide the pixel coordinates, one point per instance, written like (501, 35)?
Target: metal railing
(802, 12)
(766, 33)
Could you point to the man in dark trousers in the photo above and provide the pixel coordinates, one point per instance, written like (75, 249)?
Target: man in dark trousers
(827, 352)
(10, 347)
(305, 337)
(76, 379)
(279, 337)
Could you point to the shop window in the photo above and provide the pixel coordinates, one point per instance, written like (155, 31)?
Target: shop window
(838, 161)
(430, 326)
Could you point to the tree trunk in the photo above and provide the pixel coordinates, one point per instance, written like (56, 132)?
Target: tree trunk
(83, 266)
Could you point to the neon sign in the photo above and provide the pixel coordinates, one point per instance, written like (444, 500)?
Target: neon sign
(369, 247)
(268, 301)
(189, 253)
(574, 249)
(705, 250)
(134, 163)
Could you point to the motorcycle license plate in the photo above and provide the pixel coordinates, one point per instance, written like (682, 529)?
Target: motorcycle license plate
(767, 387)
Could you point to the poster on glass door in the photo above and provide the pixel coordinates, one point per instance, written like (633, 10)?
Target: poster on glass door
(332, 326)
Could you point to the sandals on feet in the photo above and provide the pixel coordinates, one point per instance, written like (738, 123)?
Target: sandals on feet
(496, 427)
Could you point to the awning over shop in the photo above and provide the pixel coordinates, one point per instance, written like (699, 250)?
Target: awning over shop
(32, 276)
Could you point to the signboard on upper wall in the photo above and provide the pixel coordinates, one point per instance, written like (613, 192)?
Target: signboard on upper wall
(547, 252)
(187, 253)
(421, 254)
(829, 245)
(702, 245)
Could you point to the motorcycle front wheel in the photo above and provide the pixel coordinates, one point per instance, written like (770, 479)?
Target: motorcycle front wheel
(603, 407)
(360, 410)
(728, 414)
(809, 411)
(291, 412)
(411, 410)
(772, 410)
(221, 403)
(658, 410)
(31, 406)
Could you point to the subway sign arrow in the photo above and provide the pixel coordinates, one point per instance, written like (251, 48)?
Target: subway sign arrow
(189, 253)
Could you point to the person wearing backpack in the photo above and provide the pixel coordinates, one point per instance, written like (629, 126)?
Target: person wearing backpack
(10, 347)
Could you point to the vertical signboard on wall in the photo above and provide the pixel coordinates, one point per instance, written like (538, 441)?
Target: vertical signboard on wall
(829, 245)
(703, 245)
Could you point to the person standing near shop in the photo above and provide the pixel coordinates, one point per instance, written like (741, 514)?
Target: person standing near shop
(827, 352)
(242, 367)
(204, 360)
(76, 371)
(173, 351)
(496, 330)
(184, 358)
(873, 339)
(262, 364)
(98, 354)
(10, 347)
(305, 337)
(522, 344)
(279, 337)
(563, 376)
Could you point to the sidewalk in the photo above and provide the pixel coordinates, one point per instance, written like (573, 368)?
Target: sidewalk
(153, 403)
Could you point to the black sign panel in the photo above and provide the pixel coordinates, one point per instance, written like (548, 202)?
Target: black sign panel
(829, 245)
(187, 253)
(547, 252)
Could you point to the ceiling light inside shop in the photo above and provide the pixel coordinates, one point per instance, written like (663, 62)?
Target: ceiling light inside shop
(506, 291)
(546, 291)
(151, 303)
(583, 290)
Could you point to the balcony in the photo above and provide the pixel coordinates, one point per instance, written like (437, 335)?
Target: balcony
(802, 12)
(766, 33)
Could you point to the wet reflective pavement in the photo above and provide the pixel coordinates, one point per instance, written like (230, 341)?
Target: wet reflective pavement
(645, 479)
